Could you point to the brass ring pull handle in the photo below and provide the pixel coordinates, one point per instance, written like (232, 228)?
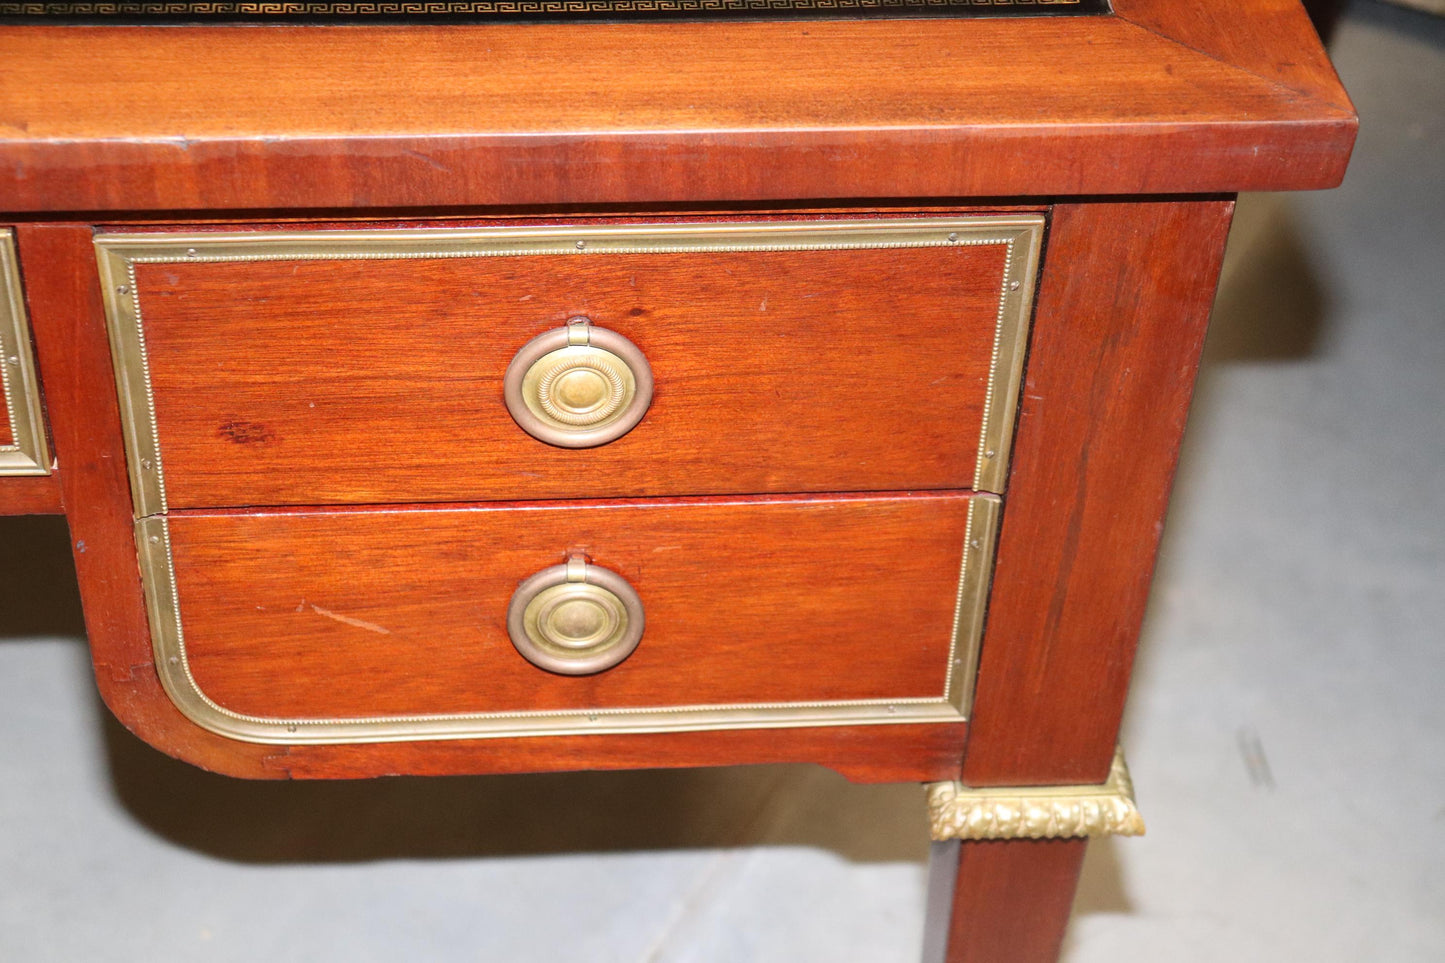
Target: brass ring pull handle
(575, 619)
(578, 386)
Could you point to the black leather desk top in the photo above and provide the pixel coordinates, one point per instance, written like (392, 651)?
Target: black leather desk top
(502, 11)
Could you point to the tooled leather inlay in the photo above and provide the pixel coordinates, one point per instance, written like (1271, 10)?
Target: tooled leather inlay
(462, 11)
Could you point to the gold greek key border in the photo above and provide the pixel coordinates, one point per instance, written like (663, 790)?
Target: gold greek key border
(28, 452)
(424, 9)
(1045, 812)
(163, 606)
(118, 254)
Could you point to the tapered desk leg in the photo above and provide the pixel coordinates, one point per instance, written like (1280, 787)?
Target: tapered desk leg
(1000, 901)
(1006, 863)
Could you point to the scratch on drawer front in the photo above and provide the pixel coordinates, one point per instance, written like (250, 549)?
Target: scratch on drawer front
(348, 620)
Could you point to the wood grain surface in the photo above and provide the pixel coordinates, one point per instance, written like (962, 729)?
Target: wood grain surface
(1276, 44)
(30, 495)
(870, 754)
(382, 613)
(1111, 370)
(1012, 899)
(895, 753)
(298, 382)
(192, 118)
(74, 361)
(73, 357)
(359, 611)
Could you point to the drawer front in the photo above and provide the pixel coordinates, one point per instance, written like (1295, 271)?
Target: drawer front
(357, 368)
(23, 449)
(379, 625)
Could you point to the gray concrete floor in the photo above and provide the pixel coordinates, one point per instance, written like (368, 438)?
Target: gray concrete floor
(1285, 729)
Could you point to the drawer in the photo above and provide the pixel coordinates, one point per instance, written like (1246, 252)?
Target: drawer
(23, 449)
(311, 368)
(366, 625)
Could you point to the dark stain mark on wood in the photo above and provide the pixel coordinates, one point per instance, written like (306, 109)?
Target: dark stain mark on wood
(246, 432)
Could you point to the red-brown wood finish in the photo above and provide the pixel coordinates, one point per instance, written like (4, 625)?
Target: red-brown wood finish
(26, 494)
(561, 215)
(67, 320)
(300, 382)
(380, 613)
(74, 361)
(1277, 44)
(869, 754)
(31, 495)
(895, 753)
(1109, 380)
(1012, 900)
(131, 119)
(1117, 335)
(65, 316)
(1164, 97)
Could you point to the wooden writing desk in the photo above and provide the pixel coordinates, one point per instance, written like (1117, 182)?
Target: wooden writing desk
(865, 352)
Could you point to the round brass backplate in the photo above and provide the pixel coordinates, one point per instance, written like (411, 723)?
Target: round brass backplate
(575, 619)
(578, 386)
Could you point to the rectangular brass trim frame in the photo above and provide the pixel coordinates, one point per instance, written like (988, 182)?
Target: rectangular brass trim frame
(28, 452)
(1015, 311)
(168, 642)
(975, 577)
(118, 254)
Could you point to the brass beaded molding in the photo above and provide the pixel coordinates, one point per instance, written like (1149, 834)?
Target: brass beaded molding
(26, 453)
(1046, 812)
(118, 254)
